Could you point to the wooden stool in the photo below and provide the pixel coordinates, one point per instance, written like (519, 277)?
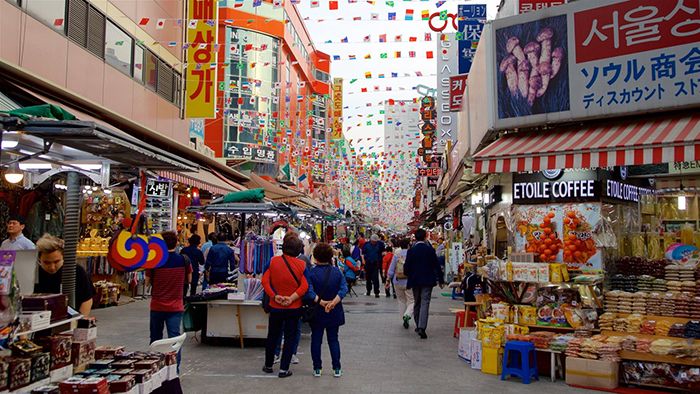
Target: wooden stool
(471, 311)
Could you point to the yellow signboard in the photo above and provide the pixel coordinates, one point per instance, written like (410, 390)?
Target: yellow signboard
(200, 75)
(337, 108)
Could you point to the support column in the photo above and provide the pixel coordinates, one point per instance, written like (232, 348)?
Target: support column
(71, 228)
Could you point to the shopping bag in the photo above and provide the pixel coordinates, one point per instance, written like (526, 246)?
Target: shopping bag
(476, 354)
(193, 317)
(464, 348)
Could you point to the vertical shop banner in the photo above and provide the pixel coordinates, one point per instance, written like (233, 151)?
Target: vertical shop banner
(471, 23)
(428, 128)
(458, 85)
(197, 129)
(559, 233)
(200, 73)
(586, 60)
(318, 161)
(447, 66)
(535, 5)
(337, 109)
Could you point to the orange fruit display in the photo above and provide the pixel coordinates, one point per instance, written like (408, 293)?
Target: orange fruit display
(543, 241)
(579, 245)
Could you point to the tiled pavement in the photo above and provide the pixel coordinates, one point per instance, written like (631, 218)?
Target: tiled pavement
(378, 356)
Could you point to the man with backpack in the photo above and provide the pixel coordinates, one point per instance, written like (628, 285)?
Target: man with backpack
(397, 274)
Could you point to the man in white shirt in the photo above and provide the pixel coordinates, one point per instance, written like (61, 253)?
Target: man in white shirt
(16, 239)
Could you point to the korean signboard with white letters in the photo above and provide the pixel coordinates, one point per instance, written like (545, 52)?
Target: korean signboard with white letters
(255, 153)
(159, 189)
(458, 84)
(447, 65)
(535, 5)
(200, 74)
(592, 59)
(470, 25)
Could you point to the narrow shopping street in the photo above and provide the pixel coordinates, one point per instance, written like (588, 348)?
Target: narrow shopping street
(378, 356)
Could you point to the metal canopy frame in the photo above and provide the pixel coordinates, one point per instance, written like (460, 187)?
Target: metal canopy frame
(244, 208)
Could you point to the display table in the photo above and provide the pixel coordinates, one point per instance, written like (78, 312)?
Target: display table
(234, 319)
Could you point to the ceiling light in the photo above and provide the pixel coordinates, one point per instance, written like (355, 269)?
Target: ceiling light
(88, 167)
(13, 174)
(10, 140)
(34, 166)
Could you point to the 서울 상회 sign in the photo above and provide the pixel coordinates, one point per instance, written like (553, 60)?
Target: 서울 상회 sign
(589, 59)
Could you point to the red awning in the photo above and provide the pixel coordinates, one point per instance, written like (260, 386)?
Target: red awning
(652, 140)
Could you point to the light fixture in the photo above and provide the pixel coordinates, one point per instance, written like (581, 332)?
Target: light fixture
(87, 167)
(682, 203)
(10, 140)
(486, 197)
(34, 166)
(13, 174)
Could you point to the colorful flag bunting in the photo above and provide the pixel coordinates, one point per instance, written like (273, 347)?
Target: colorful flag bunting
(409, 15)
(382, 38)
(332, 5)
(392, 16)
(367, 39)
(144, 21)
(345, 39)
(160, 24)
(429, 54)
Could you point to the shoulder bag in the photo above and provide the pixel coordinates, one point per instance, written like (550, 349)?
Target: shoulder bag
(308, 311)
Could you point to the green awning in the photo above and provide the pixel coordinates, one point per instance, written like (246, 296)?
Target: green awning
(43, 111)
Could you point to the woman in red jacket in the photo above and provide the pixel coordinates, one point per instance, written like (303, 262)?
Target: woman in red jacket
(285, 284)
(388, 255)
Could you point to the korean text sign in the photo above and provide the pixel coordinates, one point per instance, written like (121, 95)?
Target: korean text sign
(458, 84)
(255, 153)
(471, 23)
(200, 74)
(337, 108)
(534, 5)
(595, 59)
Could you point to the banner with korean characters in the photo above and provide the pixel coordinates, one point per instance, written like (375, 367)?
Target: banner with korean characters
(337, 109)
(559, 233)
(251, 152)
(536, 5)
(593, 59)
(200, 73)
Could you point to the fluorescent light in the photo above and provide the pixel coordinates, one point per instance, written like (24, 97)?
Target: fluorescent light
(89, 167)
(682, 205)
(34, 166)
(10, 140)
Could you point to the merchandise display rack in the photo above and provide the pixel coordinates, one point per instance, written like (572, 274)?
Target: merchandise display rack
(55, 324)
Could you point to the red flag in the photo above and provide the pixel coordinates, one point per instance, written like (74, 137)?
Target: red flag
(144, 21)
(332, 5)
(429, 54)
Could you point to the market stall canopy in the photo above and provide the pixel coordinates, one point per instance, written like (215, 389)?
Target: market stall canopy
(244, 207)
(653, 140)
(273, 191)
(205, 179)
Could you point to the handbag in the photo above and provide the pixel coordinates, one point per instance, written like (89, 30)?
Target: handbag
(308, 311)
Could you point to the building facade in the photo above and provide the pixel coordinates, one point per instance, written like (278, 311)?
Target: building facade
(273, 94)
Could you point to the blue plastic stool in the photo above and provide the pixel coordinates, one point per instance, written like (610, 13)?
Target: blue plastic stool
(524, 362)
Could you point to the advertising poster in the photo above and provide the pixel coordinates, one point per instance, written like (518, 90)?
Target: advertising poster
(560, 233)
(200, 97)
(533, 74)
(592, 59)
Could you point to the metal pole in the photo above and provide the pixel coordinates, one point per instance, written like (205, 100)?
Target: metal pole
(71, 229)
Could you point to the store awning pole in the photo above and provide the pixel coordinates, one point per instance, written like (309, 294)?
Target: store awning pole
(71, 229)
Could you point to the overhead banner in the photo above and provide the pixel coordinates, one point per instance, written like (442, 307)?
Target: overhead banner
(586, 60)
(337, 109)
(200, 73)
(447, 66)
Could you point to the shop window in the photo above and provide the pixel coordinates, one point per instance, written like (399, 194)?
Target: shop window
(150, 70)
(138, 63)
(50, 12)
(118, 48)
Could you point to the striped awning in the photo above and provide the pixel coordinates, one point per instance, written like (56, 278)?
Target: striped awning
(653, 140)
(204, 179)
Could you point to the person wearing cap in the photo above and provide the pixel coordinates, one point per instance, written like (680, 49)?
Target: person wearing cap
(16, 239)
(372, 258)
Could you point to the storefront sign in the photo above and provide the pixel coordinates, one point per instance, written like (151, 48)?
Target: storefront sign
(572, 186)
(623, 191)
(337, 109)
(160, 189)
(200, 74)
(471, 23)
(250, 152)
(684, 167)
(495, 196)
(534, 5)
(447, 66)
(589, 59)
(458, 84)
(428, 118)
(430, 171)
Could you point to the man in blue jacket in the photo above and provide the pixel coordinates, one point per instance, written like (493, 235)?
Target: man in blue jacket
(423, 272)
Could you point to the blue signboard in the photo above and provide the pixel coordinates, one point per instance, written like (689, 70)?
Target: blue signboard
(471, 23)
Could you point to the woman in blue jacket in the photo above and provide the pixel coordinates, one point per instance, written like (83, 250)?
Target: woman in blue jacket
(329, 286)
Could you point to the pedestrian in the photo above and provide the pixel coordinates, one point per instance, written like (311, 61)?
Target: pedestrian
(15, 235)
(196, 258)
(387, 257)
(349, 267)
(423, 272)
(220, 260)
(328, 288)
(167, 291)
(285, 284)
(397, 275)
(372, 258)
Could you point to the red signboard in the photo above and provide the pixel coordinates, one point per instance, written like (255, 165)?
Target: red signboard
(630, 27)
(458, 84)
(430, 171)
(534, 5)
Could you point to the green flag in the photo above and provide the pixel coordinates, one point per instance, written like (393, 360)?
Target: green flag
(383, 56)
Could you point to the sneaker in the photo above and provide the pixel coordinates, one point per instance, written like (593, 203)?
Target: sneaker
(277, 360)
(367, 294)
(337, 373)
(284, 374)
(405, 321)
(295, 359)
(317, 373)
(267, 370)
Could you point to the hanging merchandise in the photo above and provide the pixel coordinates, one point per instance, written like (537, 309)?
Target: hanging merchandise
(256, 253)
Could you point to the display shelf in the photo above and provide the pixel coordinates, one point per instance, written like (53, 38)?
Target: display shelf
(654, 358)
(52, 325)
(638, 335)
(682, 320)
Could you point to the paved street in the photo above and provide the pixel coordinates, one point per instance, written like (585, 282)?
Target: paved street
(378, 356)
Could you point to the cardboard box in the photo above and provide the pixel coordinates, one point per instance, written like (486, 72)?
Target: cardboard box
(84, 334)
(476, 354)
(492, 360)
(592, 373)
(464, 348)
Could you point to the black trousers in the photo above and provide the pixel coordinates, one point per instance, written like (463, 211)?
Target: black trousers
(391, 286)
(289, 318)
(193, 285)
(372, 277)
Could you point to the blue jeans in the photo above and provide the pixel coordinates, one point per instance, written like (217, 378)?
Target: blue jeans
(333, 345)
(172, 321)
(278, 349)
